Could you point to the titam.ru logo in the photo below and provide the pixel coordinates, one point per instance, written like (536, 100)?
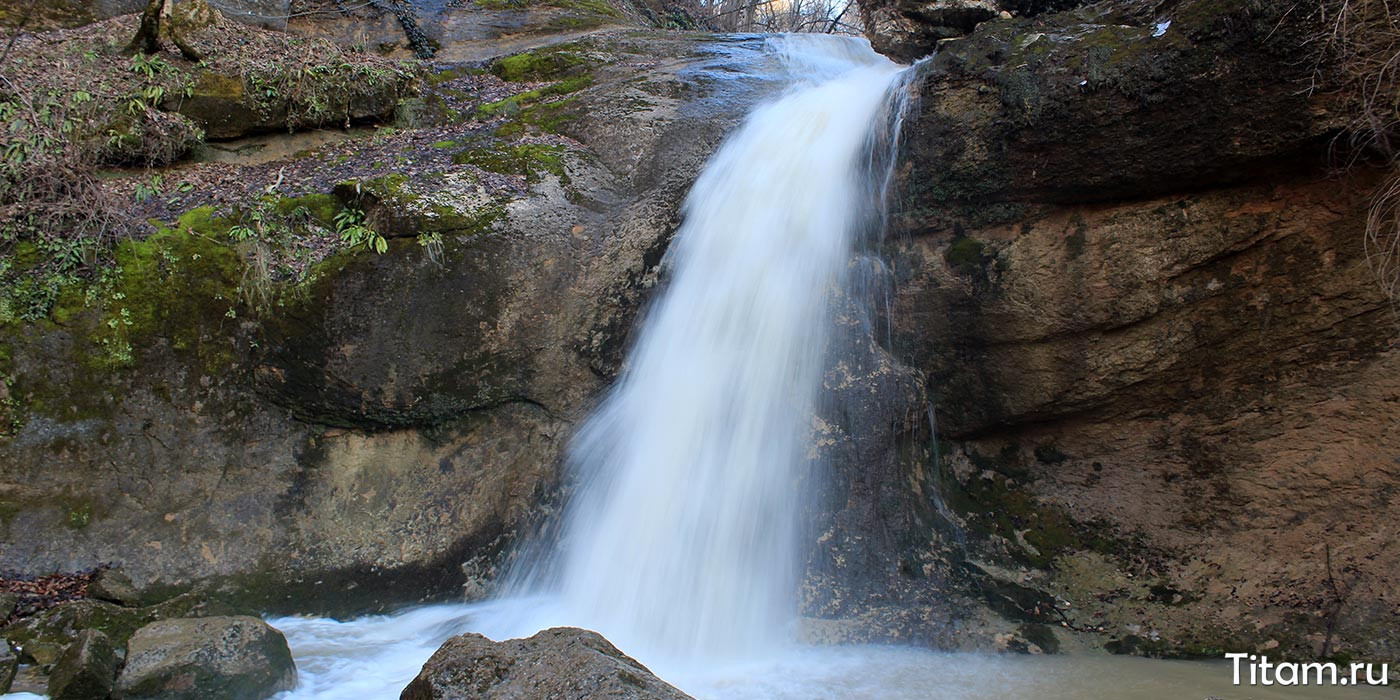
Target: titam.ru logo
(1251, 669)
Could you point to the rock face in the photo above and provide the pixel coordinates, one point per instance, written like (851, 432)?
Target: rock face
(239, 658)
(1152, 369)
(907, 31)
(86, 670)
(560, 664)
(396, 414)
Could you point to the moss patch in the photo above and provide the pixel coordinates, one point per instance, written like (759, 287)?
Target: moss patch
(527, 159)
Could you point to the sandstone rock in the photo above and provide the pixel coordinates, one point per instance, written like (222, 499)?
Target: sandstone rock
(559, 664)
(113, 586)
(906, 30)
(86, 670)
(239, 658)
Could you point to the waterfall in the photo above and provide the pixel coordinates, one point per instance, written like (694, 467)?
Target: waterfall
(681, 540)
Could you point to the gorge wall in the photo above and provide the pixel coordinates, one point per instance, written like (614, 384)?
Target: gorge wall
(1161, 369)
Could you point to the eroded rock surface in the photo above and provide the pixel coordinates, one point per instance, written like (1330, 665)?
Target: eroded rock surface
(239, 658)
(1158, 403)
(562, 663)
(86, 670)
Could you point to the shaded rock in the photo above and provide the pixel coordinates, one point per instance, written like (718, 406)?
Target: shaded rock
(562, 663)
(8, 603)
(224, 107)
(238, 658)
(906, 30)
(85, 670)
(113, 586)
(43, 637)
(1079, 107)
(9, 664)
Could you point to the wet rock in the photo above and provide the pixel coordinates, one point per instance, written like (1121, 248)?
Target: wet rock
(86, 670)
(563, 663)
(113, 586)
(238, 658)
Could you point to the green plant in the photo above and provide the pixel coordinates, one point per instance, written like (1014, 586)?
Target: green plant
(350, 224)
(148, 189)
(432, 246)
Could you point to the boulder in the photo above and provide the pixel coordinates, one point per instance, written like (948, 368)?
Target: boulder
(86, 669)
(236, 658)
(563, 663)
(113, 586)
(9, 663)
(42, 638)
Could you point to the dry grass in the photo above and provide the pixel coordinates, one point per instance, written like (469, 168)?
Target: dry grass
(1360, 61)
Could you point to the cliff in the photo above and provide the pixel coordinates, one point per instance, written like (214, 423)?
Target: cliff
(1135, 288)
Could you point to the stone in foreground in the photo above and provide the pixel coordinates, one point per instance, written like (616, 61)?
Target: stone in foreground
(86, 669)
(563, 663)
(235, 658)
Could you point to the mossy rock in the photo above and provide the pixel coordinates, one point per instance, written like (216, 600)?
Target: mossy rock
(528, 159)
(539, 66)
(177, 284)
(43, 637)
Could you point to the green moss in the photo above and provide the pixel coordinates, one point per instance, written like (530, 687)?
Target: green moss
(549, 117)
(445, 144)
(516, 104)
(79, 515)
(539, 66)
(996, 503)
(177, 284)
(323, 207)
(526, 159)
(966, 255)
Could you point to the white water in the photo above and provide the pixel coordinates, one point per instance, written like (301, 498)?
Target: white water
(681, 541)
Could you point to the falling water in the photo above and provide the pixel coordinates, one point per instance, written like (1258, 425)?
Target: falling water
(682, 537)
